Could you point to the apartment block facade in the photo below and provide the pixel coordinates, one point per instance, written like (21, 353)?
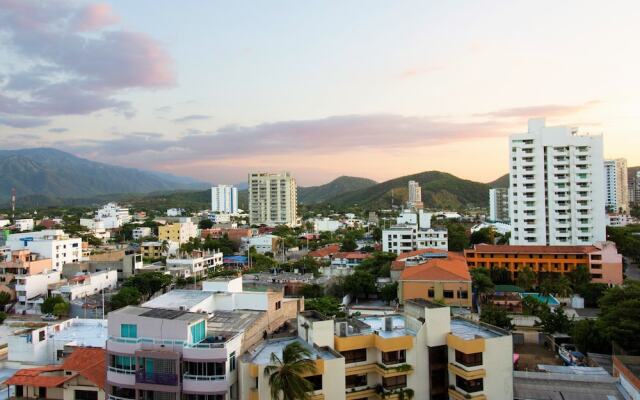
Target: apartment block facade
(556, 193)
(414, 201)
(499, 205)
(422, 353)
(179, 232)
(601, 260)
(224, 199)
(403, 238)
(49, 243)
(616, 185)
(273, 199)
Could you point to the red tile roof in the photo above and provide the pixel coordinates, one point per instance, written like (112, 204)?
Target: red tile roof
(325, 251)
(86, 361)
(352, 255)
(490, 248)
(409, 254)
(452, 268)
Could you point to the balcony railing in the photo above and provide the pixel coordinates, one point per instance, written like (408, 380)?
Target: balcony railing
(122, 370)
(156, 378)
(204, 377)
(112, 397)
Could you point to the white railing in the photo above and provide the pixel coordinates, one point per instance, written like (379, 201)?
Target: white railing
(168, 342)
(112, 397)
(204, 377)
(122, 370)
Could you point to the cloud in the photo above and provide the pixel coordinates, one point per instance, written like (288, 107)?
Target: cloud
(420, 70)
(23, 122)
(327, 136)
(549, 110)
(73, 66)
(191, 118)
(58, 130)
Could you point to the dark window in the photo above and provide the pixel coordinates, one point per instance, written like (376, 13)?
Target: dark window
(232, 361)
(186, 396)
(469, 360)
(430, 293)
(42, 392)
(278, 305)
(204, 368)
(394, 357)
(86, 395)
(41, 336)
(316, 381)
(471, 386)
(448, 294)
(356, 380)
(352, 356)
(464, 294)
(395, 382)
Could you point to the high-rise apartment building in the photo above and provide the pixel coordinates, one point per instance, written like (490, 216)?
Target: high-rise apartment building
(272, 199)
(556, 193)
(616, 185)
(499, 205)
(415, 196)
(224, 199)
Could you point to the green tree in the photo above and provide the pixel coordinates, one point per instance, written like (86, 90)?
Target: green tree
(618, 319)
(326, 305)
(481, 281)
(3, 316)
(580, 278)
(348, 244)
(526, 278)
(496, 316)
(307, 264)
(126, 296)
(310, 291)
(532, 306)
(484, 235)
(588, 337)
(457, 235)
(5, 298)
(49, 304)
(61, 309)
(377, 234)
(148, 283)
(205, 224)
(389, 292)
(554, 321)
(360, 284)
(592, 292)
(286, 381)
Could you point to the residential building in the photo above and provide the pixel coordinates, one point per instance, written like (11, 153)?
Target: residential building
(4, 222)
(344, 263)
(178, 232)
(422, 353)
(113, 216)
(602, 260)
(445, 279)
(411, 258)
(50, 243)
(273, 199)
(31, 290)
(402, 238)
(81, 376)
(22, 262)
(154, 250)
(556, 195)
(175, 212)
(24, 224)
(83, 285)
(261, 243)
(224, 199)
(620, 220)
(198, 263)
(626, 368)
(140, 232)
(616, 185)
(186, 344)
(498, 227)
(124, 262)
(414, 201)
(220, 218)
(49, 344)
(96, 227)
(326, 225)
(325, 253)
(499, 205)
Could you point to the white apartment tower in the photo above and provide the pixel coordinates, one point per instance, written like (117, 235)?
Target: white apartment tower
(415, 196)
(556, 194)
(616, 185)
(272, 199)
(499, 205)
(224, 199)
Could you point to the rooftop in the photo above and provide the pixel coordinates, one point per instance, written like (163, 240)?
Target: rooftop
(262, 354)
(469, 330)
(160, 313)
(232, 321)
(178, 298)
(369, 324)
(490, 248)
(452, 268)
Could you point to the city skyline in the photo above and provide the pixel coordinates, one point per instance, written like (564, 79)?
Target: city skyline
(223, 91)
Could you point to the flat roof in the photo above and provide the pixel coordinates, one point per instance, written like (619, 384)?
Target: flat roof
(177, 298)
(262, 354)
(367, 325)
(232, 321)
(159, 313)
(469, 330)
(84, 334)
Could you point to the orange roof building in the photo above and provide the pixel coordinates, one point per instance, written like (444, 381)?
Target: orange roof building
(325, 252)
(83, 371)
(445, 279)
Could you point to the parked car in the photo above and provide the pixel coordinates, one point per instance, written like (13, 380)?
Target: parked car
(49, 317)
(570, 355)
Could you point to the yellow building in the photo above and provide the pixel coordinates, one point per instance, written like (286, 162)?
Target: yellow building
(179, 232)
(419, 354)
(152, 250)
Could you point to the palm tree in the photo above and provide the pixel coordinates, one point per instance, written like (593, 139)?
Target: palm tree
(563, 286)
(526, 278)
(286, 375)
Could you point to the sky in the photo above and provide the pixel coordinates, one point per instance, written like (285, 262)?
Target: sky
(214, 90)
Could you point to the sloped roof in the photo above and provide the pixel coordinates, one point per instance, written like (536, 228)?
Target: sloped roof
(351, 255)
(526, 249)
(325, 251)
(399, 263)
(452, 268)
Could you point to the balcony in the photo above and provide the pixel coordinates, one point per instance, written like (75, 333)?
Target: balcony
(206, 350)
(121, 376)
(112, 397)
(468, 374)
(205, 384)
(156, 378)
(458, 395)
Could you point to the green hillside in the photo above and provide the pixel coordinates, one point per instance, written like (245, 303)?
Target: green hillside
(338, 186)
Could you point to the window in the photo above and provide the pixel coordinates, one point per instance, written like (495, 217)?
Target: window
(469, 360)
(186, 396)
(356, 380)
(395, 382)
(232, 361)
(394, 357)
(463, 294)
(129, 330)
(471, 386)
(125, 363)
(316, 381)
(430, 293)
(278, 305)
(198, 332)
(352, 356)
(204, 368)
(448, 294)
(86, 394)
(41, 336)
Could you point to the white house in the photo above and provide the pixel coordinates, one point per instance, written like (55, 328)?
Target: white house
(140, 232)
(197, 264)
(24, 225)
(88, 284)
(96, 227)
(32, 289)
(262, 243)
(50, 243)
(113, 216)
(402, 238)
(326, 225)
(175, 212)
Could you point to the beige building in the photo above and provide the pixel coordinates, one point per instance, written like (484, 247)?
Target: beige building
(273, 199)
(616, 185)
(422, 354)
(178, 232)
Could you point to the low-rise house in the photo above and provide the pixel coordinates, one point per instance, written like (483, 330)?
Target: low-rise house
(414, 257)
(326, 225)
(140, 232)
(175, 212)
(179, 232)
(262, 243)
(403, 238)
(81, 376)
(325, 253)
(96, 227)
(124, 262)
(84, 285)
(24, 224)
(53, 244)
(198, 263)
(113, 216)
(438, 279)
